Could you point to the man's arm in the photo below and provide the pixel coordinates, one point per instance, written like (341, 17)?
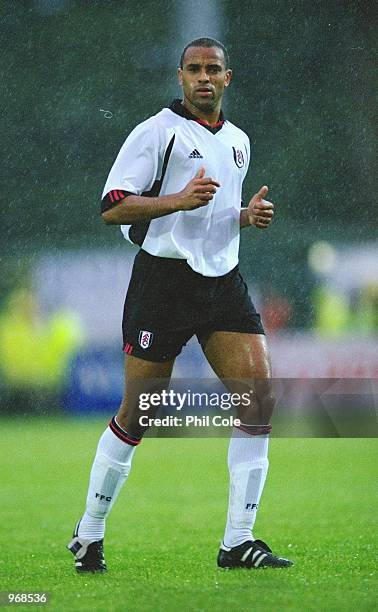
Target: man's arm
(259, 211)
(133, 208)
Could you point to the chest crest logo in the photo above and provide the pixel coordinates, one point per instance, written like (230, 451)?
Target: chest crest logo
(238, 157)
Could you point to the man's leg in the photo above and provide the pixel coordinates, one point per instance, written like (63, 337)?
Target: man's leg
(242, 361)
(113, 458)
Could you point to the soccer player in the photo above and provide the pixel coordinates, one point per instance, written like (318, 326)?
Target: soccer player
(175, 189)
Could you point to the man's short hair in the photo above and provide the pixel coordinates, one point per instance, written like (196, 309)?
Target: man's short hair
(205, 42)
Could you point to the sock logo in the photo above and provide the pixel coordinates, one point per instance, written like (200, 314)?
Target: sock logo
(251, 506)
(103, 497)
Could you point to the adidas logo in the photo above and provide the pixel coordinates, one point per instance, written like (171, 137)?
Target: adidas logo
(195, 155)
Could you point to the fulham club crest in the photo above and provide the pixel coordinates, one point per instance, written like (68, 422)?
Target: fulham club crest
(238, 157)
(145, 339)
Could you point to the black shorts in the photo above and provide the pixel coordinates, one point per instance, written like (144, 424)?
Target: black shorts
(167, 303)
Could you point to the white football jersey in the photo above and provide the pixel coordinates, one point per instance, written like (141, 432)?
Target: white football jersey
(159, 157)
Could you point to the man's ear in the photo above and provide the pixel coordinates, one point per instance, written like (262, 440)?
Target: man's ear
(179, 75)
(228, 78)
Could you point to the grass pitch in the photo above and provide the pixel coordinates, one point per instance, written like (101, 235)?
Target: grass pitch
(318, 508)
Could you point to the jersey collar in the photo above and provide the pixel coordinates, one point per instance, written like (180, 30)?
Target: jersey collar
(178, 108)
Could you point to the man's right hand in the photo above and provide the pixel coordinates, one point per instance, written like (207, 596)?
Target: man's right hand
(133, 209)
(198, 192)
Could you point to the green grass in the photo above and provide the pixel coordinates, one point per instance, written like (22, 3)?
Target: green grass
(318, 508)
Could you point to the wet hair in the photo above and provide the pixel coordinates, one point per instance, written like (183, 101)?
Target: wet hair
(205, 42)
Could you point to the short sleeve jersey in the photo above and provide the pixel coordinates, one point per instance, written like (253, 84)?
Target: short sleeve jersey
(159, 157)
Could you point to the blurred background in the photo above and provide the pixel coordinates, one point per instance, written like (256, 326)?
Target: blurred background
(77, 77)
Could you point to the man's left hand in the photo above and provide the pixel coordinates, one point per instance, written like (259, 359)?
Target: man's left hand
(260, 212)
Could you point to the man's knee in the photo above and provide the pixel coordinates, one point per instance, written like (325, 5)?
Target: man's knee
(137, 412)
(266, 400)
(260, 409)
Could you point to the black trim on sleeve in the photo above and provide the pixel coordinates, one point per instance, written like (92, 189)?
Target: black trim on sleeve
(113, 198)
(138, 231)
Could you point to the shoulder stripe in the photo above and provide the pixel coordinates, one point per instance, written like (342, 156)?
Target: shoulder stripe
(138, 231)
(166, 157)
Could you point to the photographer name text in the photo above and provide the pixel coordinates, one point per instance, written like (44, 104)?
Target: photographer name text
(190, 421)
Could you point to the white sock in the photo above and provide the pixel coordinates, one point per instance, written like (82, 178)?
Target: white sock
(248, 467)
(110, 470)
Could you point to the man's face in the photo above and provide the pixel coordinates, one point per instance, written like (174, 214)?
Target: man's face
(204, 77)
